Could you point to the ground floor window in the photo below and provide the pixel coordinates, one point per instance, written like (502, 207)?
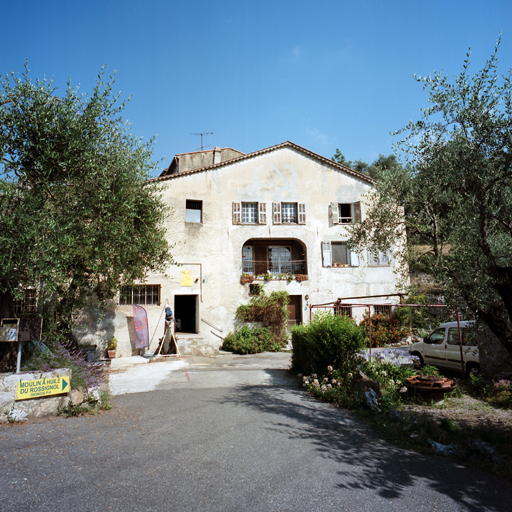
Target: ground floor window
(382, 310)
(141, 294)
(28, 304)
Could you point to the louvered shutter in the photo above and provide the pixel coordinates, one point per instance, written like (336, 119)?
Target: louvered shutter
(354, 259)
(335, 213)
(302, 213)
(357, 211)
(276, 208)
(237, 213)
(326, 254)
(262, 213)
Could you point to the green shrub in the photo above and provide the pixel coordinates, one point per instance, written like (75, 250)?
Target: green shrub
(250, 340)
(327, 340)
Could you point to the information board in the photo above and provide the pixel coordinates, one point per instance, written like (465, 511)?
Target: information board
(42, 387)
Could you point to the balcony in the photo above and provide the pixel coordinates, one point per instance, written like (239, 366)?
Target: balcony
(276, 268)
(276, 257)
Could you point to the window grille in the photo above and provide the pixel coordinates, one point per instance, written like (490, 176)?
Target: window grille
(28, 304)
(382, 310)
(141, 294)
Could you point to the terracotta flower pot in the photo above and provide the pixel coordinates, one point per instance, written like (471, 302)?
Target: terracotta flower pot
(111, 354)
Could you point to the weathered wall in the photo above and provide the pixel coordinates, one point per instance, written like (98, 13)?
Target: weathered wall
(282, 175)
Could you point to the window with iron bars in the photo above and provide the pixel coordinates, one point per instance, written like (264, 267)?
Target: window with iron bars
(343, 311)
(28, 304)
(382, 310)
(141, 294)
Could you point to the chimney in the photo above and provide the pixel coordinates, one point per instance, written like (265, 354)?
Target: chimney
(216, 155)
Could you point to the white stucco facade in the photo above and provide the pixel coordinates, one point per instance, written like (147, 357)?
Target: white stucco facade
(212, 249)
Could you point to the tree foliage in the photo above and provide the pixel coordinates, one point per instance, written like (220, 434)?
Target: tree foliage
(77, 214)
(374, 170)
(456, 192)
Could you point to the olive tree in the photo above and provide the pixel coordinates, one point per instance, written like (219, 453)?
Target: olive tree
(451, 204)
(78, 216)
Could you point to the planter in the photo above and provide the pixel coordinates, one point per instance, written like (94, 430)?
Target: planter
(246, 279)
(430, 387)
(301, 277)
(111, 354)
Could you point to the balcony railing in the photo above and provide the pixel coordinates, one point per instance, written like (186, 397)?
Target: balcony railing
(257, 268)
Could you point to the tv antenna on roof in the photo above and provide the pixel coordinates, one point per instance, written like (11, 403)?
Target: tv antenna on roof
(204, 133)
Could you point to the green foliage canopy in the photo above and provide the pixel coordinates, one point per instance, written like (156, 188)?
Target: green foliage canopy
(77, 213)
(456, 193)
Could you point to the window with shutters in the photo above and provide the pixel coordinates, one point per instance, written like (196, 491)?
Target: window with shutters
(337, 254)
(249, 213)
(289, 213)
(379, 259)
(194, 211)
(345, 213)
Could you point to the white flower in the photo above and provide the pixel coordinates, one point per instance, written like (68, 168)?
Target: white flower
(329, 369)
(314, 375)
(323, 388)
(403, 390)
(334, 381)
(391, 381)
(329, 386)
(315, 382)
(349, 375)
(383, 372)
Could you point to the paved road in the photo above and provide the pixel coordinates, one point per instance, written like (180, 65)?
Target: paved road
(228, 434)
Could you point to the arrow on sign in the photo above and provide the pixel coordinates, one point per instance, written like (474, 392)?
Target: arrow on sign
(64, 384)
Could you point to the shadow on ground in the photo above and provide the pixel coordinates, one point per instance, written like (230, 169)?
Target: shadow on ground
(365, 461)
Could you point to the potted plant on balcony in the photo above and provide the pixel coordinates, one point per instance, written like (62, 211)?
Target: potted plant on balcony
(301, 277)
(246, 278)
(111, 347)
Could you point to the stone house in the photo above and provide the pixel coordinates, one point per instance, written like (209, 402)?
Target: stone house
(280, 212)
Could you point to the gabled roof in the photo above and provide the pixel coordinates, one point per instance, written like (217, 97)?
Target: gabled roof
(287, 144)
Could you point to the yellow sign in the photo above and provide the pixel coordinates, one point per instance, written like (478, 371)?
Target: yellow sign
(42, 387)
(186, 278)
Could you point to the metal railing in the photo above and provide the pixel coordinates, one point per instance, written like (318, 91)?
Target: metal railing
(256, 268)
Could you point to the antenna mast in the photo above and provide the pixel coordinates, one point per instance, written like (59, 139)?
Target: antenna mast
(204, 133)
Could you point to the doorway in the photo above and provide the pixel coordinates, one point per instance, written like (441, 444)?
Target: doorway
(294, 310)
(185, 313)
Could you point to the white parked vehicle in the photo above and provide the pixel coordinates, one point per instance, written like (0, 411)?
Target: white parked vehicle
(441, 347)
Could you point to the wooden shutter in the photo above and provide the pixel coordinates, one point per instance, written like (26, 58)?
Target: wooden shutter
(262, 213)
(357, 211)
(276, 208)
(237, 213)
(334, 213)
(326, 254)
(302, 213)
(354, 259)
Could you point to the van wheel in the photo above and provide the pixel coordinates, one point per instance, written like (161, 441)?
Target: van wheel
(418, 363)
(472, 369)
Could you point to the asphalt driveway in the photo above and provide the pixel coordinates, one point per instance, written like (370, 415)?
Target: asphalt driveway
(228, 434)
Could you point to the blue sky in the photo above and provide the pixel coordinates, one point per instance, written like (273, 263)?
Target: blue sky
(324, 74)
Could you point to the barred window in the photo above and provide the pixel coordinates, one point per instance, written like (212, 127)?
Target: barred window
(28, 304)
(141, 294)
(382, 310)
(343, 311)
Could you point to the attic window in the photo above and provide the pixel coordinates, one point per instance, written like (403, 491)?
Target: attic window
(194, 211)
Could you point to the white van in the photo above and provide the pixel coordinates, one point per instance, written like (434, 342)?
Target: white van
(441, 347)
